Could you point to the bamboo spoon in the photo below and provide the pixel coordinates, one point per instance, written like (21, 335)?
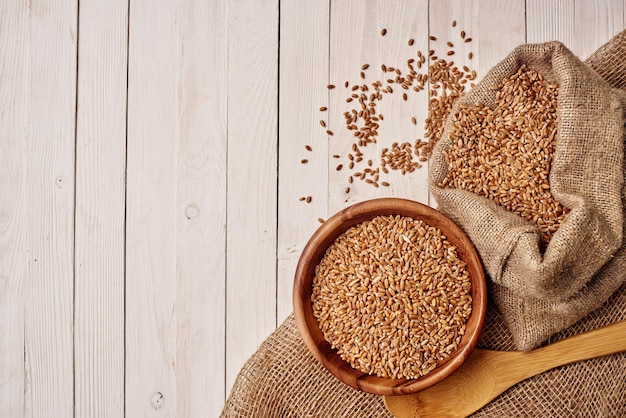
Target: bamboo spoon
(487, 373)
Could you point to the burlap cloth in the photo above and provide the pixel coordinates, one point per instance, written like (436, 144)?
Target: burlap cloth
(542, 292)
(282, 379)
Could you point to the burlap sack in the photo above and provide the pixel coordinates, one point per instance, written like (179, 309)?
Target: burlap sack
(282, 379)
(540, 293)
(609, 61)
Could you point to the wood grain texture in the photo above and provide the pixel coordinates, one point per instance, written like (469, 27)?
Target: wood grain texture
(100, 210)
(501, 27)
(14, 205)
(47, 194)
(441, 16)
(590, 35)
(252, 182)
(352, 43)
(151, 209)
(404, 20)
(201, 210)
(550, 21)
(575, 23)
(466, 15)
(354, 33)
(303, 80)
(355, 41)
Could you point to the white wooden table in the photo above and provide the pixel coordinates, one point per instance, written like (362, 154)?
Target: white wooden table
(150, 176)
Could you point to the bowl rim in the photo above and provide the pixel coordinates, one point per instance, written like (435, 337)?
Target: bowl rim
(316, 247)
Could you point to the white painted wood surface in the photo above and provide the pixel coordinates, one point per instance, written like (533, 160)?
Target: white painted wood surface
(304, 42)
(38, 79)
(14, 202)
(151, 203)
(150, 212)
(100, 208)
(201, 213)
(251, 202)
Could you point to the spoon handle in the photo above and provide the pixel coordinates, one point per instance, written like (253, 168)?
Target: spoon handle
(609, 339)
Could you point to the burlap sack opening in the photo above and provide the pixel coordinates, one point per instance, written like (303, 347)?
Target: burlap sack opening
(540, 293)
(282, 379)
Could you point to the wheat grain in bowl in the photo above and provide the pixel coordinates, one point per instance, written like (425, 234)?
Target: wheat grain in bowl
(389, 296)
(392, 296)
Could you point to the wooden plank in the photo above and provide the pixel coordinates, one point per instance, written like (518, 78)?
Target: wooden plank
(466, 16)
(353, 43)
(357, 41)
(581, 25)
(100, 207)
(303, 80)
(49, 193)
(441, 18)
(151, 209)
(201, 210)
(14, 204)
(501, 28)
(550, 21)
(38, 106)
(176, 209)
(252, 181)
(404, 20)
(595, 22)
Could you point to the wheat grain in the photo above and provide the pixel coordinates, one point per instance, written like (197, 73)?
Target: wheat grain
(392, 296)
(505, 153)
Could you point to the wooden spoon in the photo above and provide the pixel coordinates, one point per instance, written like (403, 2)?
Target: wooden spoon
(487, 373)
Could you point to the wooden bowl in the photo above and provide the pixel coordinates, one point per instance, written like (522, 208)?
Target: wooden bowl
(308, 324)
